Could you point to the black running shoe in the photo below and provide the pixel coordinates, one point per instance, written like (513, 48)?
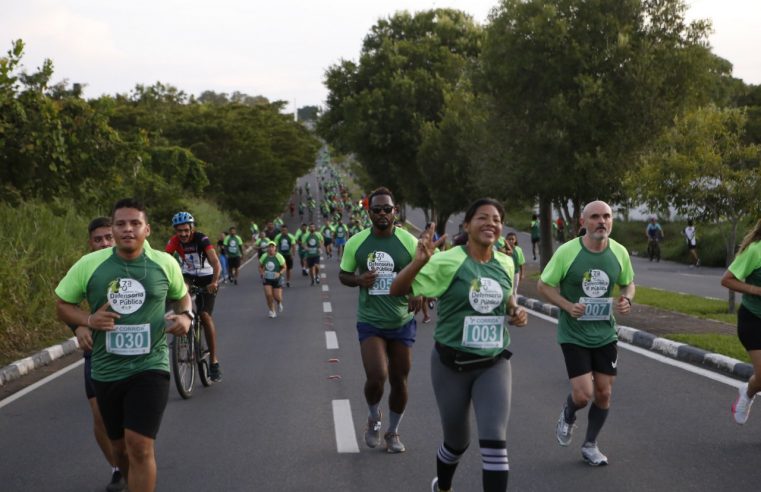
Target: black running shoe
(215, 373)
(117, 482)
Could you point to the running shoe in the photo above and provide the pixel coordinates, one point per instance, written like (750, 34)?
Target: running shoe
(592, 455)
(564, 430)
(435, 486)
(215, 372)
(317, 279)
(741, 406)
(372, 432)
(272, 314)
(280, 307)
(288, 284)
(393, 443)
(117, 482)
(426, 320)
(304, 272)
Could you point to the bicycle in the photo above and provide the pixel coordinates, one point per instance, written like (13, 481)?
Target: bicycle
(654, 249)
(190, 352)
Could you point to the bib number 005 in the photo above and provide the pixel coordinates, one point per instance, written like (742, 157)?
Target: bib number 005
(129, 340)
(381, 286)
(483, 332)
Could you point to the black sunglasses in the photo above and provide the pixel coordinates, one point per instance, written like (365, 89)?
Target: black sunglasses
(387, 209)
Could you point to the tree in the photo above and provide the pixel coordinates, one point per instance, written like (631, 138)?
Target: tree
(703, 168)
(582, 87)
(308, 113)
(377, 108)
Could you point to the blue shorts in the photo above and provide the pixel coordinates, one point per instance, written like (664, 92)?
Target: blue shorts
(340, 241)
(405, 334)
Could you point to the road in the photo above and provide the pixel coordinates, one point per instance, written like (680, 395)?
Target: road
(666, 275)
(271, 424)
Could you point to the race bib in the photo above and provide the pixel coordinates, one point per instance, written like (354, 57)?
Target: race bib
(129, 340)
(232, 247)
(284, 245)
(483, 332)
(598, 308)
(382, 284)
(270, 275)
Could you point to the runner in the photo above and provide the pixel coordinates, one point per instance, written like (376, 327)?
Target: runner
(385, 324)
(200, 267)
(744, 276)
(261, 245)
(692, 243)
(518, 259)
(100, 237)
(327, 234)
(302, 234)
(470, 363)
(341, 233)
(234, 250)
(579, 279)
(254, 229)
(127, 288)
(286, 244)
(271, 269)
(312, 242)
(536, 235)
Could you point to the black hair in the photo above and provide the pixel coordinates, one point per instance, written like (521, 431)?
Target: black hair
(480, 203)
(380, 191)
(97, 223)
(129, 203)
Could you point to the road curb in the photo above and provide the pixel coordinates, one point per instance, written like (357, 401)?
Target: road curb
(44, 357)
(663, 346)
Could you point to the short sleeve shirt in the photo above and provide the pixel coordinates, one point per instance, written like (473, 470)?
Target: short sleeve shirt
(284, 243)
(193, 254)
(747, 267)
(137, 290)
(472, 297)
(579, 273)
(272, 265)
(518, 257)
(233, 246)
(388, 256)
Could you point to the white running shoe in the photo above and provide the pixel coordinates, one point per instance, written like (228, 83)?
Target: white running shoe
(272, 314)
(592, 455)
(741, 406)
(564, 430)
(280, 307)
(372, 432)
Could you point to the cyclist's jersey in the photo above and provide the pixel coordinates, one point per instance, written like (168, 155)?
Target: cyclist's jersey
(518, 259)
(284, 243)
(387, 256)
(473, 299)
(588, 277)
(654, 231)
(327, 232)
(135, 289)
(747, 267)
(193, 254)
(311, 243)
(535, 233)
(272, 265)
(341, 231)
(233, 246)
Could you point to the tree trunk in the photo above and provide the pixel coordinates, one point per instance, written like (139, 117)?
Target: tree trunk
(545, 231)
(441, 223)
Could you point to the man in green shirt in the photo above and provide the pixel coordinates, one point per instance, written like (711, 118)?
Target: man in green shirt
(385, 323)
(312, 242)
(579, 279)
(286, 244)
(234, 250)
(126, 288)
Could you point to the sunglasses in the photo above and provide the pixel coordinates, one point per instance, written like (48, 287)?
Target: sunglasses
(387, 209)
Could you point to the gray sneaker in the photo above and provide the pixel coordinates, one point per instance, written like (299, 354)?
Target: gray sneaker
(372, 432)
(564, 430)
(393, 444)
(592, 455)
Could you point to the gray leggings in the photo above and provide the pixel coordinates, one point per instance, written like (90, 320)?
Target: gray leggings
(489, 390)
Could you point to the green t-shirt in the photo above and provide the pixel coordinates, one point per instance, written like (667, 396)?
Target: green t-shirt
(285, 243)
(387, 256)
(535, 232)
(311, 243)
(137, 290)
(518, 257)
(328, 231)
(272, 265)
(581, 273)
(341, 231)
(747, 267)
(262, 244)
(473, 299)
(233, 246)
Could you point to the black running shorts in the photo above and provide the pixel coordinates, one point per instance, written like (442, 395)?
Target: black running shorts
(748, 329)
(582, 360)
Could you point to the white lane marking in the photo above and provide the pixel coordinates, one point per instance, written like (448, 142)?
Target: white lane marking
(39, 383)
(325, 288)
(661, 358)
(322, 265)
(346, 439)
(323, 275)
(331, 340)
(326, 307)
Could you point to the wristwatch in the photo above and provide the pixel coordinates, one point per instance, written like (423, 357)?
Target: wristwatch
(189, 314)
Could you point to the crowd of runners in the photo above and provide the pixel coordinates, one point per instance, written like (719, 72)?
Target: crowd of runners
(472, 280)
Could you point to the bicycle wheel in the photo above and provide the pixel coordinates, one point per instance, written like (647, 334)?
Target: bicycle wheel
(183, 363)
(203, 357)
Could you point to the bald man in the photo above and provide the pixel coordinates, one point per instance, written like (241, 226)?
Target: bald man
(579, 279)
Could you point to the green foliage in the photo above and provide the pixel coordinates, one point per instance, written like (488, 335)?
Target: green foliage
(718, 343)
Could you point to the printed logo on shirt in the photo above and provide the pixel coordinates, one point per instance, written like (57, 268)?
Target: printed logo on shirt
(380, 261)
(126, 295)
(595, 283)
(485, 295)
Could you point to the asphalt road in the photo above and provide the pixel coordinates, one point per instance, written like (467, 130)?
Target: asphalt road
(275, 422)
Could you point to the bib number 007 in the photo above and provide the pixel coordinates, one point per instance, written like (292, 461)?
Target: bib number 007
(597, 308)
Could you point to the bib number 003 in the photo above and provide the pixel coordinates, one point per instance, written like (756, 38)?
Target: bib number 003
(483, 332)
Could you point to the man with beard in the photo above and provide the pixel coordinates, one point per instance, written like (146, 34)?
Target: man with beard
(579, 279)
(385, 324)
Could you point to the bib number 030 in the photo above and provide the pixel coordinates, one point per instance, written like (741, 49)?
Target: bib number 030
(129, 340)
(483, 332)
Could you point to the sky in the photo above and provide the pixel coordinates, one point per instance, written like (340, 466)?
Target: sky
(278, 49)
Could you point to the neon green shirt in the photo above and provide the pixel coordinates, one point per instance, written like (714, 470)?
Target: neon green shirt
(272, 265)
(233, 246)
(747, 267)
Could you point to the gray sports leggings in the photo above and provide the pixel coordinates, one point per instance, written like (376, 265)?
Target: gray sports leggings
(489, 390)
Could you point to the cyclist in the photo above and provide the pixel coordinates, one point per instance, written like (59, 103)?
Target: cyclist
(312, 242)
(127, 288)
(654, 234)
(200, 267)
(271, 269)
(286, 245)
(234, 250)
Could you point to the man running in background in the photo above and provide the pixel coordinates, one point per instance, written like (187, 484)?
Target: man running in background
(312, 242)
(234, 251)
(286, 246)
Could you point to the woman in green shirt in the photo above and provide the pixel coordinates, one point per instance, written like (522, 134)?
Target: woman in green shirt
(470, 363)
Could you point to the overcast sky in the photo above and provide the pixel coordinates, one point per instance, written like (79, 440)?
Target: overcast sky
(279, 49)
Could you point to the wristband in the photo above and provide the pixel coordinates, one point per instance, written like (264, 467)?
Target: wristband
(88, 321)
(628, 300)
(189, 314)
